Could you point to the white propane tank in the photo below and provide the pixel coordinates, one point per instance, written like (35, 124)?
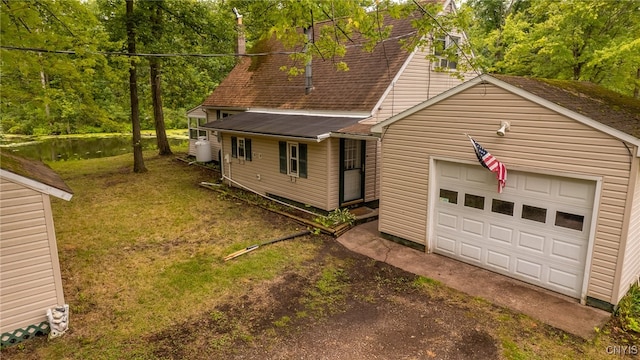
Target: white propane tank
(203, 150)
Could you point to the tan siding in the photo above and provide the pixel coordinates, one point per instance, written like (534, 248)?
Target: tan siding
(265, 163)
(540, 140)
(631, 262)
(416, 84)
(29, 271)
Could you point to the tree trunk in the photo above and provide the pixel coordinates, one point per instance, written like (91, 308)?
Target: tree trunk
(636, 89)
(138, 161)
(156, 87)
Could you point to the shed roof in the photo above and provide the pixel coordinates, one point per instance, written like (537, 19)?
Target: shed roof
(283, 125)
(35, 174)
(259, 82)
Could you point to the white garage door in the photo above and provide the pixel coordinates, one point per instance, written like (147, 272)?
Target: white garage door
(537, 230)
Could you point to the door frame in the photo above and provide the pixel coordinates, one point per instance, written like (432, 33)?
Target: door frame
(433, 196)
(341, 171)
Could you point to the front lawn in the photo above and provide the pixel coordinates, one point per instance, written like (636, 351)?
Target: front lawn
(144, 275)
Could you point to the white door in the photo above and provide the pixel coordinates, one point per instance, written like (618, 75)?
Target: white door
(352, 170)
(537, 230)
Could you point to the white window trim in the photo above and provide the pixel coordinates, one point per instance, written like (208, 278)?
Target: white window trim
(448, 42)
(290, 145)
(243, 147)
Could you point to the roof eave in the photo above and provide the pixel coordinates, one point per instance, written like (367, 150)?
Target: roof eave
(36, 185)
(377, 129)
(317, 138)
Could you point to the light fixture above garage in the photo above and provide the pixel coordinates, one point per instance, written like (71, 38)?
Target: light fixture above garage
(504, 127)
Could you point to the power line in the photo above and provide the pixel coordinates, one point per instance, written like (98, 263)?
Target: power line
(119, 53)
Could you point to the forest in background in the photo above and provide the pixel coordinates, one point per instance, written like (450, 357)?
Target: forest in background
(64, 64)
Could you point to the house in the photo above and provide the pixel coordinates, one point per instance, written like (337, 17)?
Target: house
(196, 118)
(306, 138)
(30, 279)
(568, 219)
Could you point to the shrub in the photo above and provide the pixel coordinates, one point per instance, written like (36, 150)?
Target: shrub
(629, 310)
(336, 217)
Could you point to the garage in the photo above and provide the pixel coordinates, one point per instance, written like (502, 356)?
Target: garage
(537, 230)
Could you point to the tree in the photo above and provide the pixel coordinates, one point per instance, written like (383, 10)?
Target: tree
(138, 160)
(156, 83)
(594, 40)
(343, 22)
(49, 93)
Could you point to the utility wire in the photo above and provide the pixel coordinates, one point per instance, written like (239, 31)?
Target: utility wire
(120, 53)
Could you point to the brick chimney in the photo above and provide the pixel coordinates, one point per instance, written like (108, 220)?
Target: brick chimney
(241, 43)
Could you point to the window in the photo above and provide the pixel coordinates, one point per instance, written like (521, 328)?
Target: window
(241, 148)
(534, 213)
(448, 196)
(194, 128)
(569, 221)
(447, 51)
(220, 114)
(474, 201)
(293, 159)
(502, 207)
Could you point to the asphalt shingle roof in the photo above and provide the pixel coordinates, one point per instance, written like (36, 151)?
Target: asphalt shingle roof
(34, 170)
(593, 101)
(259, 82)
(305, 126)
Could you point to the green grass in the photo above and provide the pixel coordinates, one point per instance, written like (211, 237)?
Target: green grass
(142, 252)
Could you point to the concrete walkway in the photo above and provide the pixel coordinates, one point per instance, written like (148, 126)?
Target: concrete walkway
(551, 308)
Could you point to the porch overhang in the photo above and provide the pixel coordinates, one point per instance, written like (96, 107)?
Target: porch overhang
(289, 126)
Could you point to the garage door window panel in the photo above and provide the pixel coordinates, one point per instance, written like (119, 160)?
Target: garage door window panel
(448, 196)
(534, 213)
(502, 207)
(474, 201)
(569, 221)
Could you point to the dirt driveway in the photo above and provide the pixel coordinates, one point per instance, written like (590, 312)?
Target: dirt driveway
(342, 305)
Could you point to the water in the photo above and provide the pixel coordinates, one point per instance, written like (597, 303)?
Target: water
(57, 149)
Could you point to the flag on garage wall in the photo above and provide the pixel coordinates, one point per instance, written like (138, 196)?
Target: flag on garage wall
(491, 163)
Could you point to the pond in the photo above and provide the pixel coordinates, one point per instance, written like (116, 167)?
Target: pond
(74, 148)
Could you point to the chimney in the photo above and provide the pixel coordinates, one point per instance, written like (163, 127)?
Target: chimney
(308, 78)
(241, 44)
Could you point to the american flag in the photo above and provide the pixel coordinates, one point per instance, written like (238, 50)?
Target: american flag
(490, 162)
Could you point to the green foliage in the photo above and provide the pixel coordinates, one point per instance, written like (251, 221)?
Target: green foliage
(336, 217)
(594, 40)
(628, 311)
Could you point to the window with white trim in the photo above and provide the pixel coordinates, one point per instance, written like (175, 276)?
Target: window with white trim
(446, 50)
(194, 128)
(293, 159)
(241, 148)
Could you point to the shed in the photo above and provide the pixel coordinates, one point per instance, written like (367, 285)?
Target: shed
(568, 219)
(30, 278)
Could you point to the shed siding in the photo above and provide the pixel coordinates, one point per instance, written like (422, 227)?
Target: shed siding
(540, 140)
(631, 262)
(265, 163)
(30, 280)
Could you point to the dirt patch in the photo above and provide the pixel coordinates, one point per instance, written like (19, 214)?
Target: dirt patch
(364, 309)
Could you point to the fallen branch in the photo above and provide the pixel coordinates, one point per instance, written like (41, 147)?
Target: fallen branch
(253, 247)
